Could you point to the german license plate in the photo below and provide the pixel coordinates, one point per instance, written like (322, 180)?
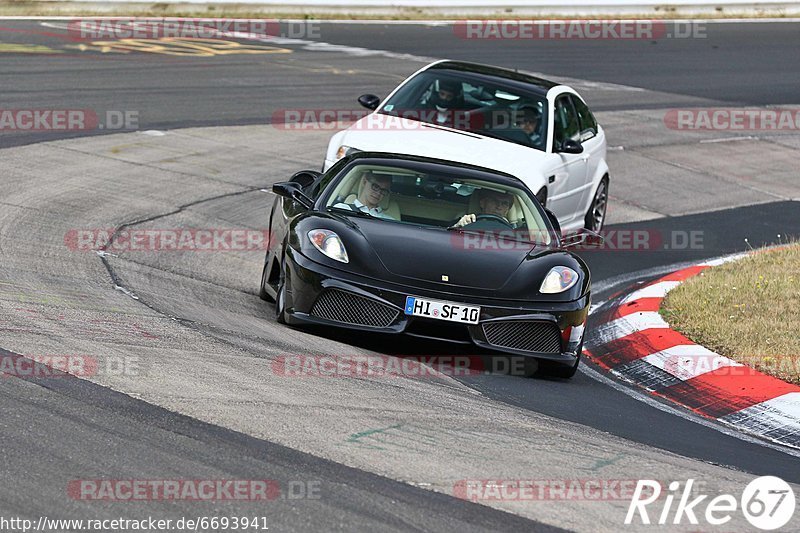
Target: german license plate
(453, 312)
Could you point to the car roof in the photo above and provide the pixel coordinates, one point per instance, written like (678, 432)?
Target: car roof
(484, 173)
(491, 74)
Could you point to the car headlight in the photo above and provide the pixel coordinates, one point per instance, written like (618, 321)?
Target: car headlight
(559, 279)
(345, 150)
(329, 244)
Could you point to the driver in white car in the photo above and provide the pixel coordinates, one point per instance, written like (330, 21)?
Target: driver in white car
(447, 99)
(491, 203)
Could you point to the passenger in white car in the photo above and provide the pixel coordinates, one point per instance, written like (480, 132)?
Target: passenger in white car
(529, 121)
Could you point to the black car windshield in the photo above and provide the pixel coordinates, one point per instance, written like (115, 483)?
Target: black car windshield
(444, 199)
(458, 100)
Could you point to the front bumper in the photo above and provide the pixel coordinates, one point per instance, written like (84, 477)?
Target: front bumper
(317, 294)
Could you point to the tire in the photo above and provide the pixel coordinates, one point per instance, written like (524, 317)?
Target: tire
(559, 370)
(530, 367)
(563, 371)
(262, 292)
(280, 300)
(596, 216)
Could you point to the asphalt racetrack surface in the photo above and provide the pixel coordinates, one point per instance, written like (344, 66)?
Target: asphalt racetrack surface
(204, 140)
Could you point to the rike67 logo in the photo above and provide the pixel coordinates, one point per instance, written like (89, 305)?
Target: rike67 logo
(767, 503)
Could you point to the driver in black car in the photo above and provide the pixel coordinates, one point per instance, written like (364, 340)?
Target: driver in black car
(493, 203)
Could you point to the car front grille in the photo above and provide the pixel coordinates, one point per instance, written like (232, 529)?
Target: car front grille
(528, 335)
(343, 306)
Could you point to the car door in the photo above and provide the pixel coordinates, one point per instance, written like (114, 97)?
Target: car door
(566, 185)
(593, 147)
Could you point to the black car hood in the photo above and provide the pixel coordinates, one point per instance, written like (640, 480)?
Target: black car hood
(413, 257)
(482, 260)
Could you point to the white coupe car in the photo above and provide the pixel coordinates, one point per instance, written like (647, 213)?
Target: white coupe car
(535, 129)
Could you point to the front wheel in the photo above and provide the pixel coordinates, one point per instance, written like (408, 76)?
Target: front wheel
(560, 370)
(596, 216)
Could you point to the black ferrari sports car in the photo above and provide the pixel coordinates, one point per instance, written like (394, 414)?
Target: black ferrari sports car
(401, 244)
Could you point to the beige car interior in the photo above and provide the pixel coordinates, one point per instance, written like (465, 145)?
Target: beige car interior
(388, 204)
(399, 206)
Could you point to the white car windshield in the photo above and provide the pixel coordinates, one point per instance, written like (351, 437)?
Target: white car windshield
(457, 100)
(446, 200)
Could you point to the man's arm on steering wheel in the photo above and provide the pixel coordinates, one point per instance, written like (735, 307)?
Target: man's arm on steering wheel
(463, 221)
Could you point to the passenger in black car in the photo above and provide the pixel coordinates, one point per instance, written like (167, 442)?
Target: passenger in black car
(493, 204)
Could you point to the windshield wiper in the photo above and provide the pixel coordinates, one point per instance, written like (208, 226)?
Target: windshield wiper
(486, 133)
(356, 213)
(497, 234)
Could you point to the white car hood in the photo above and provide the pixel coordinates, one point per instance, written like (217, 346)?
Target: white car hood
(422, 140)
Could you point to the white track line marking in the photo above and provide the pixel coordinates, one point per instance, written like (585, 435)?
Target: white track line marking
(688, 361)
(626, 325)
(656, 290)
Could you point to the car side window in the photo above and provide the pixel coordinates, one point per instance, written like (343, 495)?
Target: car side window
(322, 182)
(588, 124)
(567, 125)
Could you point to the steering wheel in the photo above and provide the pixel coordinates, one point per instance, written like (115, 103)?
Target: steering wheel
(494, 218)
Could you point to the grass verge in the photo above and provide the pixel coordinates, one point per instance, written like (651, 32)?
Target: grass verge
(747, 310)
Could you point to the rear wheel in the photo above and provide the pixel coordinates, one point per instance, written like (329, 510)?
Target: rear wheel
(596, 216)
(262, 292)
(280, 300)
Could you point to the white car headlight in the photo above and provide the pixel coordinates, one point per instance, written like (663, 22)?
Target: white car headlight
(345, 150)
(559, 279)
(329, 244)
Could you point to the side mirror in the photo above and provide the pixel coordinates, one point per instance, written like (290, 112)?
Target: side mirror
(305, 178)
(554, 221)
(583, 238)
(571, 146)
(370, 101)
(293, 191)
